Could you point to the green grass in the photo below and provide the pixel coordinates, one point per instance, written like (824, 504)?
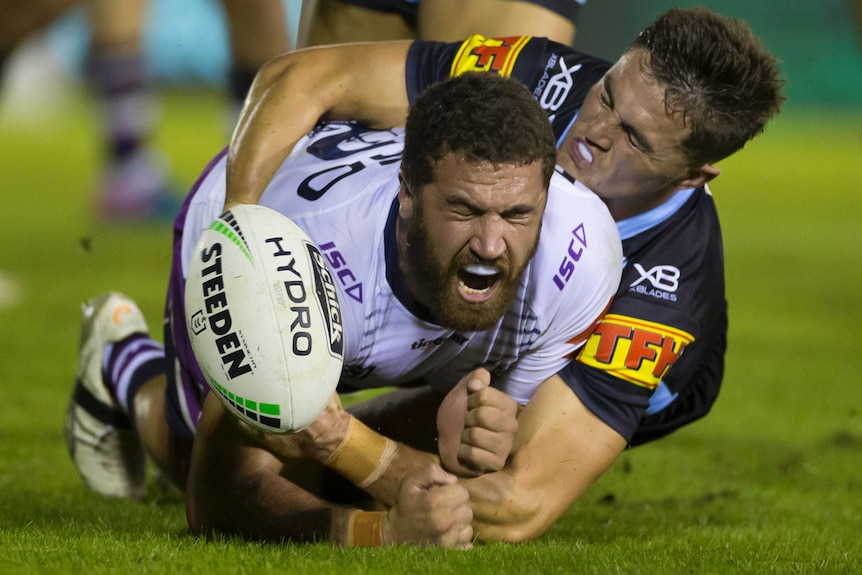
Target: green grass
(768, 483)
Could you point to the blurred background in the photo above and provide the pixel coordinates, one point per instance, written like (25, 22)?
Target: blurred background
(47, 104)
(818, 42)
(774, 466)
(187, 44)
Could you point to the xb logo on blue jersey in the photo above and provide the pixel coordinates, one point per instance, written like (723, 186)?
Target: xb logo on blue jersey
(559, 87)
(661, 277)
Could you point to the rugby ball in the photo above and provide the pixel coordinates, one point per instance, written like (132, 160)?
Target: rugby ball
(264, 320)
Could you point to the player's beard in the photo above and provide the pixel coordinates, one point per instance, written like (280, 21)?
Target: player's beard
(439, 281)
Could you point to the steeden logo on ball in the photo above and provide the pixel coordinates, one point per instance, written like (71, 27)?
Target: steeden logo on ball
(264, 319)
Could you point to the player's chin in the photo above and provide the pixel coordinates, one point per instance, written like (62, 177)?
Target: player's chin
(466, 317)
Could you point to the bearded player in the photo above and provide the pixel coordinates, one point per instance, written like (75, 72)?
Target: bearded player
(441, 270)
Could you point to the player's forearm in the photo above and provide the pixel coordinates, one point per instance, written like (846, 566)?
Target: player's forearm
(254, 507)
(504, 510)
(346, 445)
(375, 463)
(277, 113)
(560, 450)
(292, 93)
(430, 509)
(236, 486)
(266, 507)
(500, 512)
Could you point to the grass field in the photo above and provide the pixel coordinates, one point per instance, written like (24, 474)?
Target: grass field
(768, 483)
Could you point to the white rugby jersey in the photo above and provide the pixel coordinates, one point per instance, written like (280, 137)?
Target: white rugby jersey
(340, 185)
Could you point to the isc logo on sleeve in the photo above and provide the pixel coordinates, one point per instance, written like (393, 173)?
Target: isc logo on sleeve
(635, 350)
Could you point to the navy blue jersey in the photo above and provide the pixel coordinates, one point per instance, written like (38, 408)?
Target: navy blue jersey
(558, 76)
(656, 361)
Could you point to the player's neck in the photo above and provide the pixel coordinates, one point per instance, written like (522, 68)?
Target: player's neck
(407, 275)
(625, 208)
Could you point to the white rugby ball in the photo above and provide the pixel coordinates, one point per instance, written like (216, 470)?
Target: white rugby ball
(264, 320)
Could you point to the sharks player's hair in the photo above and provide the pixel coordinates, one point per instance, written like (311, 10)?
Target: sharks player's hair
(717, 75)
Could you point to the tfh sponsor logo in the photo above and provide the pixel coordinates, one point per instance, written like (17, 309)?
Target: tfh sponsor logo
(635, 350)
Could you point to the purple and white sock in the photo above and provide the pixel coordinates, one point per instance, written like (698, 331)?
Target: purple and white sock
(129, 364)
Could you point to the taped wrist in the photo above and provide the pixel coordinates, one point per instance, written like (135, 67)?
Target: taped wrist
(363, 456)
(364, 528)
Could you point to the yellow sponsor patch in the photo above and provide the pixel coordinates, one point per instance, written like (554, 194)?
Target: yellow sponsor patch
(480, 54)
(635, 350)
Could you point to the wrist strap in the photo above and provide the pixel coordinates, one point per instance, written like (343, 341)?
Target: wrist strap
(363, 456)
(364, 528)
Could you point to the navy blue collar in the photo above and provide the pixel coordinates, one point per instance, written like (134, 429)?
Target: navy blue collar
(634, 225)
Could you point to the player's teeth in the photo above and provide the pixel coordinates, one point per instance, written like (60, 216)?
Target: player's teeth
(480, 270)
(471, 290)
(585, 151)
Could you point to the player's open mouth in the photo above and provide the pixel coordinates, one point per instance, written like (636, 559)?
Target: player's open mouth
(585, 152)
(477, 282)
(581, 154)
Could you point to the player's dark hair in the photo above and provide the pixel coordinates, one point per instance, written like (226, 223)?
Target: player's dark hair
(480, 117)
(717, 75)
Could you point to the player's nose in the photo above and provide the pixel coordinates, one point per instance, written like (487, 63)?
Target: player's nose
(488, 242)
(600, 133)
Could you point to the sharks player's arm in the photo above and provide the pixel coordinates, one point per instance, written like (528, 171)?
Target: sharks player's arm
(292, 93)
(560, 450)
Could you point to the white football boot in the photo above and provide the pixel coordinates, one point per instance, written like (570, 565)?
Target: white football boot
(103, 445)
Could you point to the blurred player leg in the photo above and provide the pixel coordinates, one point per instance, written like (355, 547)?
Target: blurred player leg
(258, 33)
(452, 20)
(337, 21)
(306, 13)
(134, 179)
(21, 18)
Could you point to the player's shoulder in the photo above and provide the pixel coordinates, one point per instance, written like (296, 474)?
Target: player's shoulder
(685, 231)
(479, 53)
(674, 272)
(575, 210)
(579, 258)
(564, 183)
(553, 71)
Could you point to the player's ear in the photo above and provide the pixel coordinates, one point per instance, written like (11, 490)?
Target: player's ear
(699, 176)
(405, 199)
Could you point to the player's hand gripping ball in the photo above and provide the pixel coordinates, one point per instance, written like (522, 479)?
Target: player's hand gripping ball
(264, 319)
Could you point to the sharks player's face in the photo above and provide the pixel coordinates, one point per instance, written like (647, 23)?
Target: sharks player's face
(624, 145)
(470, 235)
